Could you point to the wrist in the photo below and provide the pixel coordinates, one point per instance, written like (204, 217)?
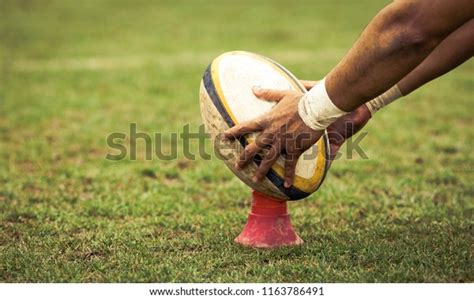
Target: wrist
(384, 99)
(316, 108)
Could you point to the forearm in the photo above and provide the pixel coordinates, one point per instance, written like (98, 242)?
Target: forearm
(457, 48)
(450, 53)
(397, 40)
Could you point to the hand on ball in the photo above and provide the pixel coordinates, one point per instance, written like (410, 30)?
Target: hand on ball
(282, 131)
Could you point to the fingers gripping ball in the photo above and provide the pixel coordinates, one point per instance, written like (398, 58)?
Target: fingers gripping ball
(227, 99)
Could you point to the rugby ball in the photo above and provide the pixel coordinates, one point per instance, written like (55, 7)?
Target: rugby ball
(226, 99)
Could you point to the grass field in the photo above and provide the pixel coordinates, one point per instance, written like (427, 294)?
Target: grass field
(72, 72)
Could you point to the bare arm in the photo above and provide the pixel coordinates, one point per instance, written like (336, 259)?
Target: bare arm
(398, 39)
(457, 48)
(454, 50)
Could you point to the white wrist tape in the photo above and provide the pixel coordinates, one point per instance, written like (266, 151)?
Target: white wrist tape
(316, 108)
(384, 99)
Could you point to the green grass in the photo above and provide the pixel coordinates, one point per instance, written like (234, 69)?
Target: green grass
(73, 72)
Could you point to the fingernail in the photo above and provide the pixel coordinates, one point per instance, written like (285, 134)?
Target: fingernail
(237, 166)
(256, 89)
(287, 184)
(255, 179)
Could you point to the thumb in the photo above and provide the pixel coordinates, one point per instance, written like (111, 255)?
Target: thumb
(273, 95)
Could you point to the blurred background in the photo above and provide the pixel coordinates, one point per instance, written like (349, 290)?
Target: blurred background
(73, 72)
